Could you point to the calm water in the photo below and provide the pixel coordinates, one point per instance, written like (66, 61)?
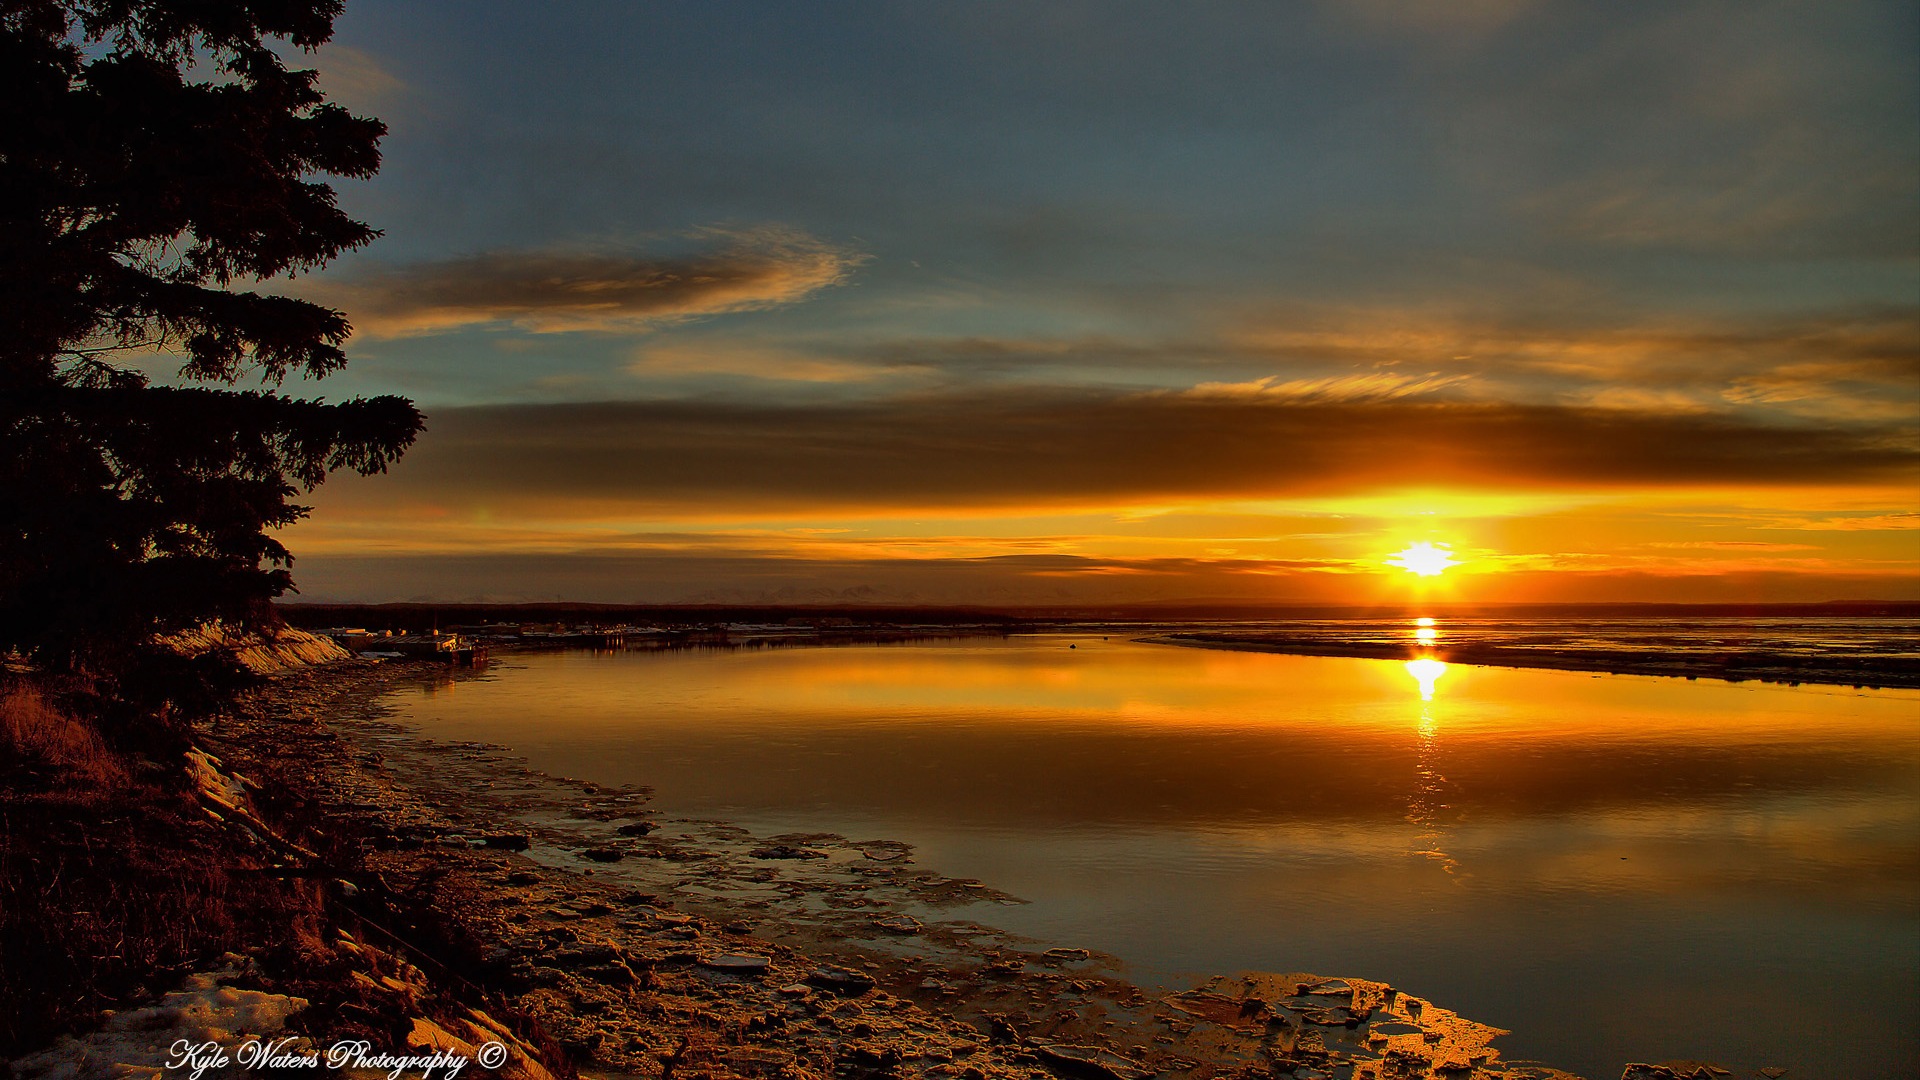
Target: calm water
(1617, 868)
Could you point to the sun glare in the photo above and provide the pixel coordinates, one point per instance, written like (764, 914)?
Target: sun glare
(1426, 671)
(1425, 559)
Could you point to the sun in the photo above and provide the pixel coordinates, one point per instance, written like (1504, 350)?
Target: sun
(1425, 559)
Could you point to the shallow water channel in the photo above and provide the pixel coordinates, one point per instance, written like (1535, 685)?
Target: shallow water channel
(1614, 867)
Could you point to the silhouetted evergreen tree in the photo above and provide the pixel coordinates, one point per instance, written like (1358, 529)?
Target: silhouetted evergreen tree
(157, 164)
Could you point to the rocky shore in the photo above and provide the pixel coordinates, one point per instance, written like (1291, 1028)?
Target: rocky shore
(469, 900)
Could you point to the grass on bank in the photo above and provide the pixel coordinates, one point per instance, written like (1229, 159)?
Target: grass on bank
(115, 882)
(112, 877)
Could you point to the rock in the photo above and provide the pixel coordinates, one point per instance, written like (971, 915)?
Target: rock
(523, 877)
(508, 841)
(427, 1035)
(1689, 1070)
(586, 955)
(899, 924)
(786, 851)
(1394, 1027)
(1067, 955)
(842, 981)
(603, 854)
(636, 828)
(1090, 1061)
(1001, 1028)
(614, 974)
(736, 963)
(868, 1061)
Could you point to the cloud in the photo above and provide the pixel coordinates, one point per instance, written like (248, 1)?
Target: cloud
(1881, 343)
(1848, 388)
(756, 362)
(1731, 545)
(1681, 131)
(1843, 365)
(1369, 386)
(722, 578)
(1060, 449)
(1423, 19)
(1868, 523)
(561, 291)
(354, 78)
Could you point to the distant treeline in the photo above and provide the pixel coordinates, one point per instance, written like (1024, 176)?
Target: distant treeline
(420, 616)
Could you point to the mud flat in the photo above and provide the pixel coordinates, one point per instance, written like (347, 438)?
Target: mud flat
(647, 945)
(1865, 669)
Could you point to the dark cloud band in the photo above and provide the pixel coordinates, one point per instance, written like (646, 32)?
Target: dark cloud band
(1078, 449)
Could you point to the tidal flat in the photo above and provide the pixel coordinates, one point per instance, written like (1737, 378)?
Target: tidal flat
(650, 944)
(1613, 868)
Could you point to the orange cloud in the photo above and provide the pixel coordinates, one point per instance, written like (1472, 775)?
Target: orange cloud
(1368, 386)
(557, 291)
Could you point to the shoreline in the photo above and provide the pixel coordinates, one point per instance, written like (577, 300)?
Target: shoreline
(1764, 667)
(467, 893)
(627, 934)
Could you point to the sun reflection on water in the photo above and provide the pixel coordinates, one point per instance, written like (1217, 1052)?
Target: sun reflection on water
(1426, 671)
(1427, 808)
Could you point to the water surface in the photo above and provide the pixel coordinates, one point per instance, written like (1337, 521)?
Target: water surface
(1617, 868)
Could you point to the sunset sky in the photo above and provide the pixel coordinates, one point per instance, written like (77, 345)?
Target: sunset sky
(1083, 303)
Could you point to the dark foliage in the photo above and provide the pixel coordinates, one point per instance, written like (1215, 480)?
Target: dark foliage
(157, 164)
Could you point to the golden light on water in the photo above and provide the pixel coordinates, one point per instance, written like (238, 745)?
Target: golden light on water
(1426, 671)
(1425, 559)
